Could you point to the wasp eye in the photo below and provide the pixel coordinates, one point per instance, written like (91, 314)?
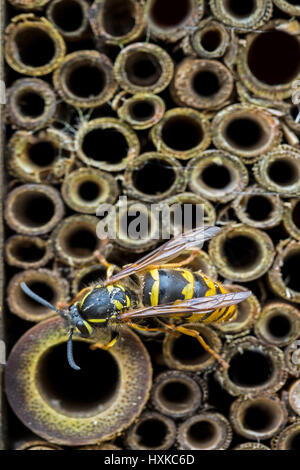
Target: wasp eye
(84, 328)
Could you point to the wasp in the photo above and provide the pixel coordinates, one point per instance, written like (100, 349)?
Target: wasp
(167, 291)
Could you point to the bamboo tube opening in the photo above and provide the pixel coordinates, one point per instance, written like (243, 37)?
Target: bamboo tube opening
(283, 277)
(258, 210)
(202, 434)
(278, 323)
(293, 442)
(250, 369)
(206, 431)
(169, 13)
(182, 133)
(152, 431)
(118, 17)
(69, 16)
(110, 139)
(155, 177)
(26, 213)
(84, 80)
(78, 240)
(288, 439)
(27, 252)
(43, 153)
(30, 104)
(284, 171)
(237, 249)
(143, 68)
(87, 276)
(245, 133)
(35, 46)
(296, 215)
(142, 110)
(240, 9)
(290, 271)
(211, 40)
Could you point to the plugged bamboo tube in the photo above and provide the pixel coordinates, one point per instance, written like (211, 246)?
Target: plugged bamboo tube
(70, 18)
(202, 84)
(217, 175)
(37, 445)
(259, 417)
(151, 431)
(153, 176)
(169, 20)
(42, 157)
(33, 209)
(288, 439)
(117, 22)
(27, 252)
(205, 431)
(278, 323)
(33, 46)
(28, 4)
(254, 367)
(31, 103)
(72, 407)
(258, 208)
(241, 253)
(176, 394)
(246, 131)
(251, 446)
(140, 111)
(292, 358)
(107, 143)
(291, 218)
(186, 353)
(85, 79)
(210, 40)
(291, 7)
(143, 67)
(85, 189)
(294, 397)
(242, 15)
(279, 171)
(182, 133)
(283, 276)
(45, 283)
(269, 63)
(75, 239)
(247, 314)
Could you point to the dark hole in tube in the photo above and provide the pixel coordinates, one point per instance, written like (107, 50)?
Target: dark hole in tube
(259, 417)
(27, 251)
(290, 271)
(34, 47)
(80, 242)
(93, 276)
(283, 172)
(241, 252)
(154, 177)
(89, 191)
(279, 326)
(31, 104)
(151, 433)
(67, 15)
(296, 214)
(86, 81)
(205, 83)
(44, 290)
(42, 153)
(170, 13)
(259, 208)
(118, 17)
(33, 209)
(176, 393)
(216, 176)
(107, 145)
(244, 133)
(142, 110)
(182, 133)
(202, 434)
(250, 369)
(189, 351)
(142, 69)
(211, 39)
(293, 442)
(240, 9)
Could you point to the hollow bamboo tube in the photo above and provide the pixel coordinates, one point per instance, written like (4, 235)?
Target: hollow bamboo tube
(288, 439)
(251, 446)
(269, 62)
(117, 22)
(217, 175)
(279, 171)
(151, 431)
(291, 218)
(41, 157)
(85, 189)
(107, 143)
(294, 397)
(241, 253)
(27, 252)
(283, 276)
(142, 110)
(254, 367)
(153, 176)
(33, 209)
(202, 84)
(176, 394)
(182, 133)
(72, 407)
(31, 103)
(28, 4)
(210, 40)
(288, 6)
(186, 353)
(259, 417)
(245, 130)
(292, 358)
(278, 323)
(205, 431)
(242, 15)
(33, 46)
(70, 18)
(143, 67)
(48, 284)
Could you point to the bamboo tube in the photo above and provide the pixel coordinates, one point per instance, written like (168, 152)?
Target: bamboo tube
(42, 157)
(48, 284)
(205, 431)
(278, 323)
(37, 445)
(176, 394)
(217, 175)
(283, 276)
(259, 417)
(151, 431)
(288, 6)
(288, 439)
(27, 252)
(72, 407)
(210, 40)
(246, 131)
(140, 111)
(251, 446)
(294, 397)
(291, 218)
(186, 353)
(33, 46)
(85, 189)
(241, 253)
(182, 133)
(242, 15)
(279, 171)
(33, 209)
(202, 84)
(143, 67)
(28, 4)
(88, 275)
(254, 367)
(292, 358)
(269, 62)
(31, 103)
(170, 20)
(104, 446)
(153, 176)
(85, 79)
(70, 18)
(290, 119)
(117, 22)
(106, 143)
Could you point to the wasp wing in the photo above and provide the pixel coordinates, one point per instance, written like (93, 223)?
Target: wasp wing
(187, 307)
(167, 251)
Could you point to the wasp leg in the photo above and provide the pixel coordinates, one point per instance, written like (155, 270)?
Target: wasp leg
(184, 262)
(102, 260)
(106, 347)
(62, 305)
(146, 328)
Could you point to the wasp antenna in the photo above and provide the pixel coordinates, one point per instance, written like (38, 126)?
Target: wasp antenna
(39, 299)
(70, 352)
